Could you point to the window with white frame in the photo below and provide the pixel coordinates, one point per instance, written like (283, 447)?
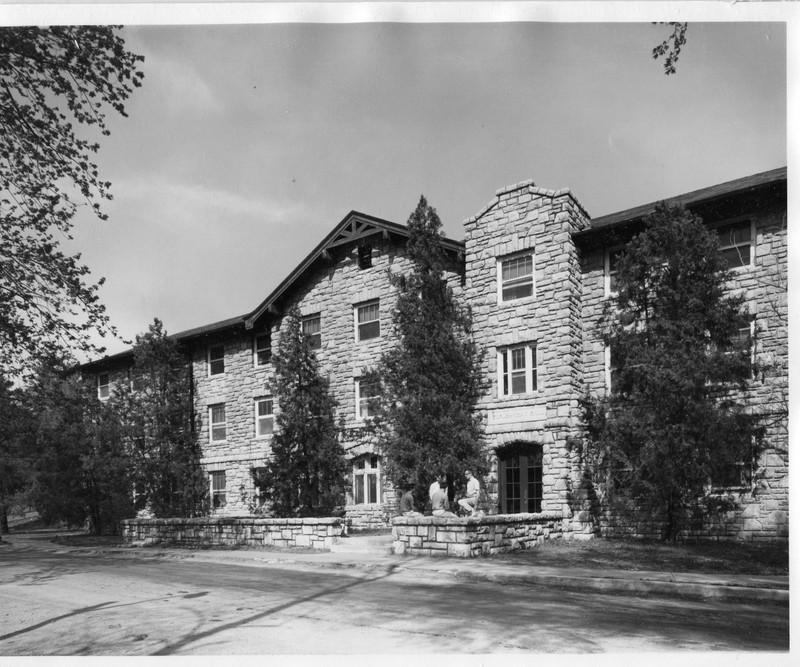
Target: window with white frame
(735, 240)
(217, 484)
(515, 276)
(612, 364)
(216, 359)
(516, 370)
(217, 424)
(367, 398)
(366, 480)
(612, 269)
(368, 323)
(312, 329)
(103, 386)
(264, 417)
(262, 349)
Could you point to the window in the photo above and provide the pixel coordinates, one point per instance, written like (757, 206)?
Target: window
(520, 476)
(612, 364)
(368, 324)
(364, 256)
(612, 269)
(218, 489)
(216, 420)
(313, 330)
(264, 417)
(734, 243)
(517, 370)
(516, 277)
(262, 349)
(103, 386)
(367, 398)
(366, 480)
(216, 360)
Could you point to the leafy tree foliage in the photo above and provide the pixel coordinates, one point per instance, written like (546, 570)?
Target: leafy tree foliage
(431, 379)
(305, 475)
(15, 460)
(53, 82)
(673, 421)
(157, 418)
(670, 48)
(82, 467)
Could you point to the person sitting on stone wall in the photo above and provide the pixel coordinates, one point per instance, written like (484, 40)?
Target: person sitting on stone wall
(407, 503)
(440, 504)
(470, 502)
(438, 483)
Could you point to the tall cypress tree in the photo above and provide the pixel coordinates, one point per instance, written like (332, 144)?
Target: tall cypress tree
(306, 472)
(159, 424)
(431, 379)
(675, 420)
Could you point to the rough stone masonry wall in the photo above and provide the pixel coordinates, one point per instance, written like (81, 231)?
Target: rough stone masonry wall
(761, 511)
(468, 538)
(524, 217)
(332, 289)
(234, 531)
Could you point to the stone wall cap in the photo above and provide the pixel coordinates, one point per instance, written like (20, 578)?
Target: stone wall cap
(471, 521)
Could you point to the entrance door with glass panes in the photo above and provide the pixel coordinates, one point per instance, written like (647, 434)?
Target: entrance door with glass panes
(520, 479)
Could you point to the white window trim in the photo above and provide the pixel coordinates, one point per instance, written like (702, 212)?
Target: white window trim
(356, 308)
(272, 415)
(257, 349)
(363, 475)
(753, 239)
(607, 269)
(208, 359)
(308, 318)
(107, 386)
(359, 418)
(224, 492)
(212, 423)
(531, 365)
(500, 260)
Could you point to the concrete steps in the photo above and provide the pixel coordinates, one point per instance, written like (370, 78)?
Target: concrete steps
(377, 544)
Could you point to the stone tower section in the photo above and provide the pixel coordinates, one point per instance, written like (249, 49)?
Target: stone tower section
(523, 283)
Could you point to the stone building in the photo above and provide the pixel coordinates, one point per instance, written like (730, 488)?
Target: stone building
(535, 269)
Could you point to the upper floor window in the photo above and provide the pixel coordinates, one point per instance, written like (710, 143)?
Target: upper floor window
(368, 394)
(262, 349)
(103, 386)
(312, 328)
(517, 370)
(516, 276)
(264, 417)
(216, 359)
(364, 256)
(368, 324)
(735, 243)
(612, 270)
(217, 423)
(366, 479)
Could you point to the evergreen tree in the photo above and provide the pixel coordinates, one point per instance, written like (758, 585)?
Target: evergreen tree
(157, 413)
(673, 421)
(16, 462)
(82, 467)
(431, 379)
(305, 474)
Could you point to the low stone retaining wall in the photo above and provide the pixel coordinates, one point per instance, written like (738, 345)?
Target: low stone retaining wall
(316, 533)
(470, 537)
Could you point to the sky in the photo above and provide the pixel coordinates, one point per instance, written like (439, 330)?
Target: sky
(247, 144)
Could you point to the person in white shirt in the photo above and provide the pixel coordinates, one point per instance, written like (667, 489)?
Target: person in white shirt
(438, 484)
(470, 502)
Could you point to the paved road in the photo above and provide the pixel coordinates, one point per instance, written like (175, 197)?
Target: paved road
(62, 602)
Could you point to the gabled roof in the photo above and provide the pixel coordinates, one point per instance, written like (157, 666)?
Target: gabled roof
(705, 197)
(353, 227)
